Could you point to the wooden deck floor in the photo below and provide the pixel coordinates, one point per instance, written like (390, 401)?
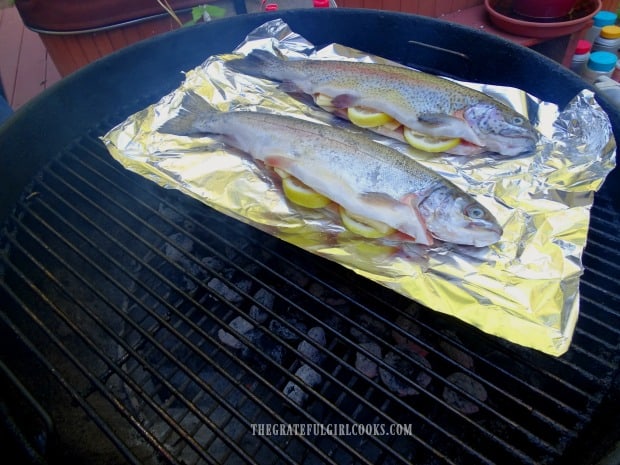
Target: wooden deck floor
(25, 67)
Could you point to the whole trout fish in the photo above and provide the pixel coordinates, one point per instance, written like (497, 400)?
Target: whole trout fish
(364, 177)
(424, 103)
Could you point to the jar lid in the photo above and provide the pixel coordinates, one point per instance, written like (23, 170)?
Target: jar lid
(583, 47)
(604, 18)
(602, 61)
(610, 32)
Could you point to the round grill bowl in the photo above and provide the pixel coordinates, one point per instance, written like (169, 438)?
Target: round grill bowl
(68, 118)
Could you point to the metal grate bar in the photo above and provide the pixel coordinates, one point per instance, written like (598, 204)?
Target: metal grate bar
(594, 358)
(147, 336)
(310, 316)
(93, 415)
(604, 252)
(349, 341)
(606, 325)
(388, 367)
(223, 323)
(605, 316)
(89, 343)
(22, 417)
(51, 209)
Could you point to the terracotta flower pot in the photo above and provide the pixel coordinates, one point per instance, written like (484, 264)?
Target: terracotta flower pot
(543, 8)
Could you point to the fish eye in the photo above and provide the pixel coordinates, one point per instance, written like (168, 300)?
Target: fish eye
(518, 120)
(474, 212)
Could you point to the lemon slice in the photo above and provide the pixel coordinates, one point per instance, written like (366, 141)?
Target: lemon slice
(300, 194)
(364, 227)
(283, 174)
(429, 143)
(373, 250)
(322, 100)
(367, 118)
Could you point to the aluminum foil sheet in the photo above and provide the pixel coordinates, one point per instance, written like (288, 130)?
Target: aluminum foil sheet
(525, 288)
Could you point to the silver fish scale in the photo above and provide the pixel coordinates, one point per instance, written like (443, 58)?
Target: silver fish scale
(367, 165)
(383, 86)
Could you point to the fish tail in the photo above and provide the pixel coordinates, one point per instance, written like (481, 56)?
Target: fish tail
(190, 117)
(259, 63)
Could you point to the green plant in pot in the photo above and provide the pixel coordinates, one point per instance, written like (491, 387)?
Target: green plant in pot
(199, 13)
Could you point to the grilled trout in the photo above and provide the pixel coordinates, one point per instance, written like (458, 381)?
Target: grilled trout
(363, 177)
(413, 102)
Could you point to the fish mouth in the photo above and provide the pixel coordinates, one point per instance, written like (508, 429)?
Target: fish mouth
(512, 145)
(480, 233)
(521, 150)
(484, 233)
(477, 233)
(479, 238)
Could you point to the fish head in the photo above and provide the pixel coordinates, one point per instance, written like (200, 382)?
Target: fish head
(453, 216)
(502, 130)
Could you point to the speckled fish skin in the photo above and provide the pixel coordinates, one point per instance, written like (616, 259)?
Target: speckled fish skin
(425, 103)
(364, 177)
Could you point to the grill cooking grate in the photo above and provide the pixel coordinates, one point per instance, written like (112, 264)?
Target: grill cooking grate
(174, 329)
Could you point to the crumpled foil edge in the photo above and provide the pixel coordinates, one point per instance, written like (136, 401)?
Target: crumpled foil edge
(524, 289)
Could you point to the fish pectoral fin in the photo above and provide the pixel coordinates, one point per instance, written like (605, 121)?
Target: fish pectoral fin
(423, 235)
(438, 119)
(415, 228)
(442, 125)
(278, 161)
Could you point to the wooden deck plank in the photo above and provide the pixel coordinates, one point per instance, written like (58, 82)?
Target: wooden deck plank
(11, 30)
(52, 76)
(25, 66)
(30, 77)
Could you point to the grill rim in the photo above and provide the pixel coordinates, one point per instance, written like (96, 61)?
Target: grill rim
(24, 173)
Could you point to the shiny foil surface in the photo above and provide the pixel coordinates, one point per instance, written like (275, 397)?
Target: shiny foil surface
(524, 288)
